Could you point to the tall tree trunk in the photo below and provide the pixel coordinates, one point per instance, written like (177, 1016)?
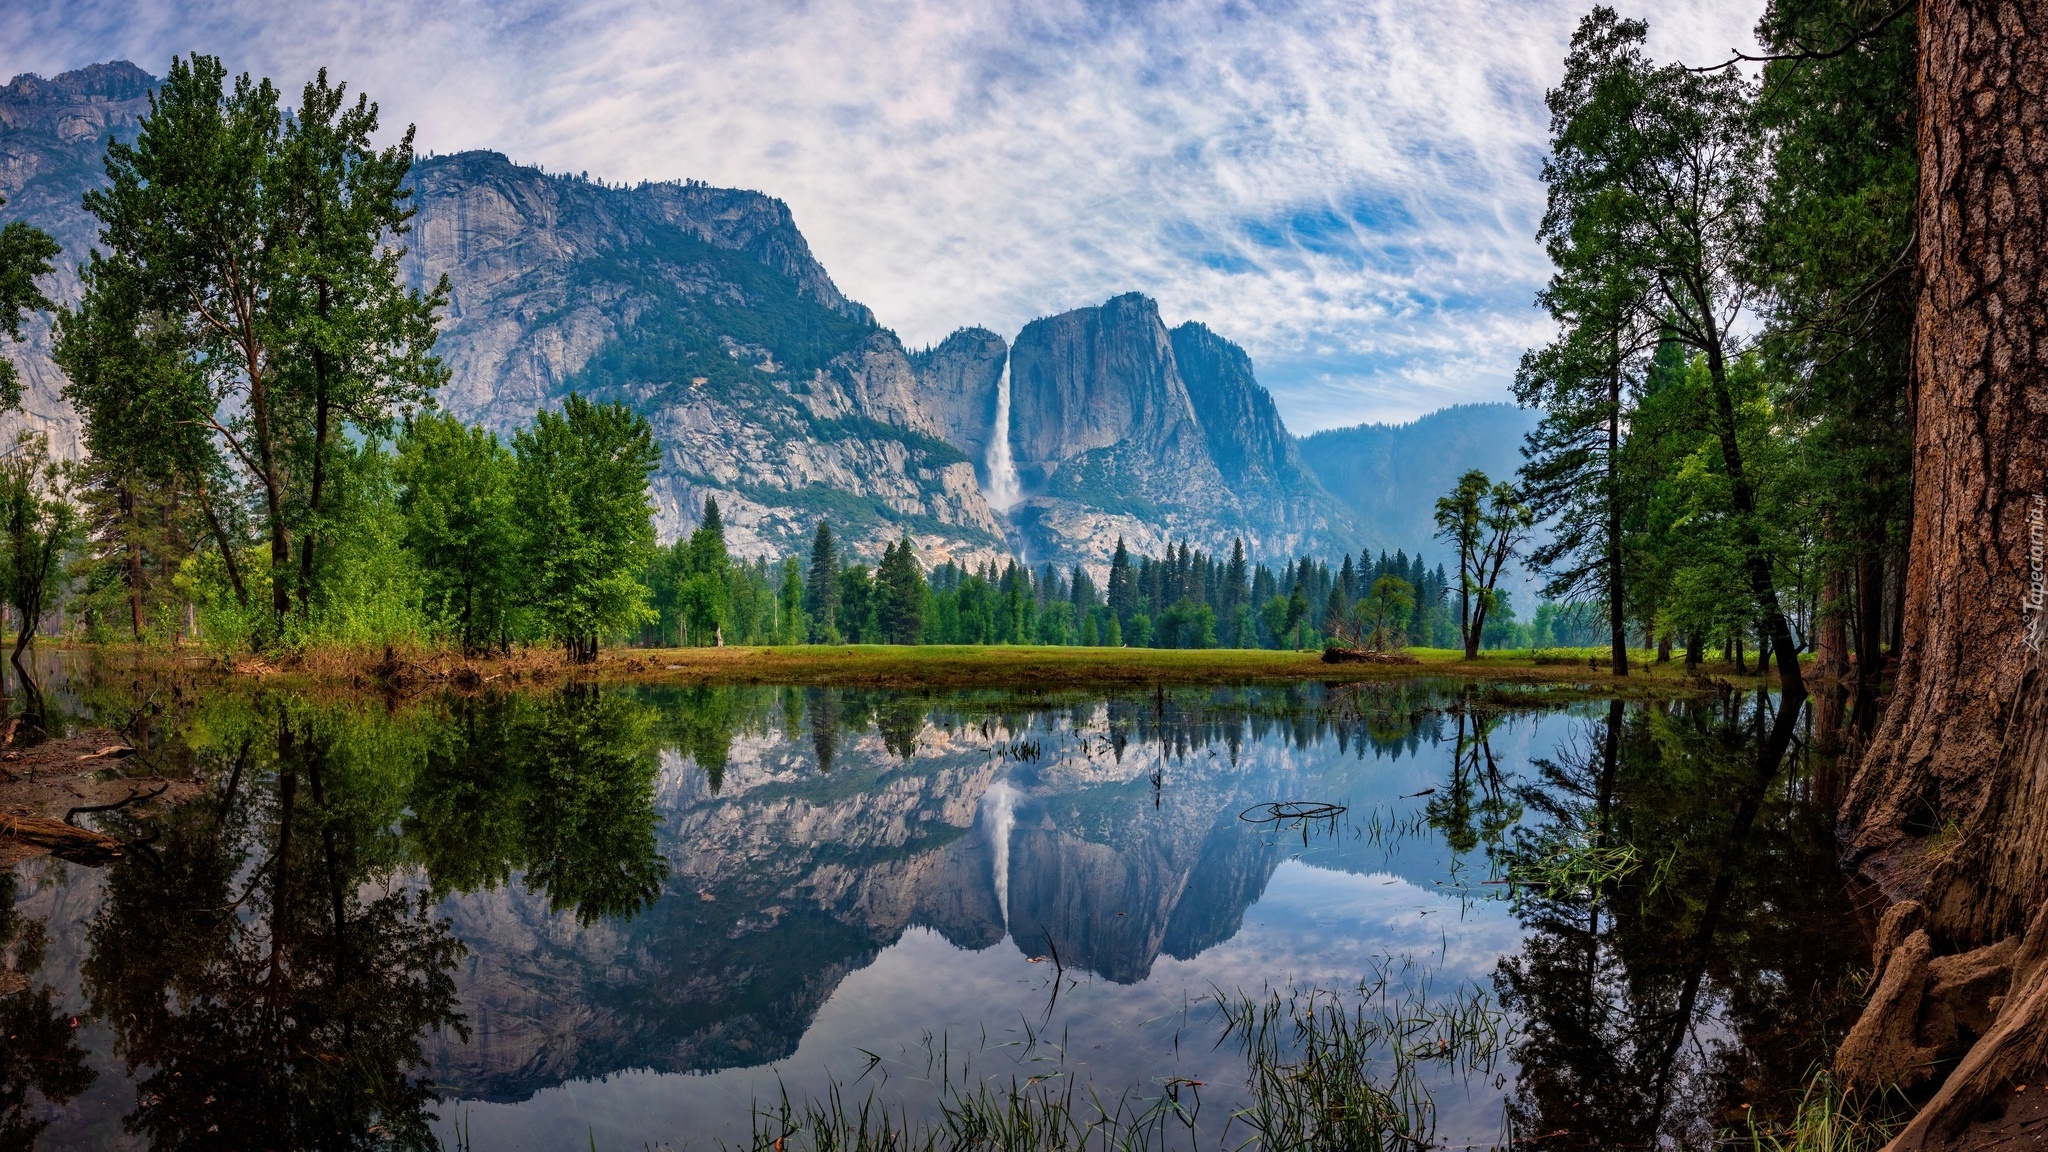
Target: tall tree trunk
(1963, 745)
(1756, 564)
(134, 550)
(321, 405)
(1831, 634)
(220, 538)
(1617, 615)
(1829, 663)
(1468, 635)
(1962, 750)
(1869, 639)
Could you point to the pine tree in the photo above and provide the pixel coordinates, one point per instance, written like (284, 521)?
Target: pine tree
(706, 589)
(1123, 592)
(900, 590)
(789, 603)
(1233, 607)
(821, 588)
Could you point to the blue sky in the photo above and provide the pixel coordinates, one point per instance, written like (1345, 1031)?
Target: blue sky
(1349, 188)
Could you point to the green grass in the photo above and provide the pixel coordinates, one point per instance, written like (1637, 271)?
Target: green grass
(1044, 666)
(1021, 667)
(1829, 1117)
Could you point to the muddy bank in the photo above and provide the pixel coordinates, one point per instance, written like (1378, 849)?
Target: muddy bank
(50, 791)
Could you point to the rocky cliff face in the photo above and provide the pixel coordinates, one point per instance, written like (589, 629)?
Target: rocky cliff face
(703, 308)
(956, 385)
(53, 135)
(769, 389)
(1121, 428)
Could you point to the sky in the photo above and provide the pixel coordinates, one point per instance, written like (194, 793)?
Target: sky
(1348, 188)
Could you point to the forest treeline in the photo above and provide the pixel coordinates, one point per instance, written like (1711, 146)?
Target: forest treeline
(265, 466)
(1722, 462)
(1725, 449)
(1184, 599)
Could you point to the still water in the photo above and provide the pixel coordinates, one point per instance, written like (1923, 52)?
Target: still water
(646, 917)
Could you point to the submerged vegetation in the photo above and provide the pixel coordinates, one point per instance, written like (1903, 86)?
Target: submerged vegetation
(1322, 1069)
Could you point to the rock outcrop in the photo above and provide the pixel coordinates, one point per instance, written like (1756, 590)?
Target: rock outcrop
(1111, 440)
(702, 306)
(53, 135)
(956, 384)
(704, 309)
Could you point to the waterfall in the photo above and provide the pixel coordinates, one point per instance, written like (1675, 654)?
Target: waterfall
(999, 804)
(1003, 489)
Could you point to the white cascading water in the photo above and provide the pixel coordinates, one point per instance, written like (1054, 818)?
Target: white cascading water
(999, 808)
(1003, 488)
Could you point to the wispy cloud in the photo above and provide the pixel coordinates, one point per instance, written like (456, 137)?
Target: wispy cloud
(1347, 187)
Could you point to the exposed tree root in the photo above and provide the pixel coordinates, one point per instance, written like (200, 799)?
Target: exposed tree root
(2015, 1049)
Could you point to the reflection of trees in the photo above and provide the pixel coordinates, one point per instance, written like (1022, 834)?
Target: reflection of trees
(900, 720)
(822, 706)
(260, 964)
(561, 789)
(1719, 915)
(37, 1044)
(701, 721)
(1466, 821)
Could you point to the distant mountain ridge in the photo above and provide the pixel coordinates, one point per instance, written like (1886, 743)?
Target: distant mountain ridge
(705, 309)
(1390, 475)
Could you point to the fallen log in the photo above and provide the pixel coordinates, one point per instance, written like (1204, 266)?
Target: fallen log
(1336, 655)
(64, 841)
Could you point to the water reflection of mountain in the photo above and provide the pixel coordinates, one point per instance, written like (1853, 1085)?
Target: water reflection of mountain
(787, 878)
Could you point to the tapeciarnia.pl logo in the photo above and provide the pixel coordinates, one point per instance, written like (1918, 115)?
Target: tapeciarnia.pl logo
(2037, 559)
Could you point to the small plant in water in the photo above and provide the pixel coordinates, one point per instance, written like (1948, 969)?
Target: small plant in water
(1830, 1117)
(1343, 1070)
(1579, 868)
(1325, 1070)
(1027, 1115)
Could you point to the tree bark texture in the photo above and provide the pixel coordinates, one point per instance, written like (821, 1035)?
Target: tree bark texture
(1950, 803)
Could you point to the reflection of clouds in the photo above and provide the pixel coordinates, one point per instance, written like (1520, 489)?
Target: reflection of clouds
(1349, 189)
(1327, 917)
(1319, 926)
(1312, 926)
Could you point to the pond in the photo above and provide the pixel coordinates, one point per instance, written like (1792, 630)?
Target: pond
(680, 917)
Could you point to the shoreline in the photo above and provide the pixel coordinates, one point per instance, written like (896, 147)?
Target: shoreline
(909, 667)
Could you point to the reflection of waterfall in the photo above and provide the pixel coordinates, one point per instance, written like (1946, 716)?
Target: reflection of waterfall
(999, 806)
(1003, 489)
